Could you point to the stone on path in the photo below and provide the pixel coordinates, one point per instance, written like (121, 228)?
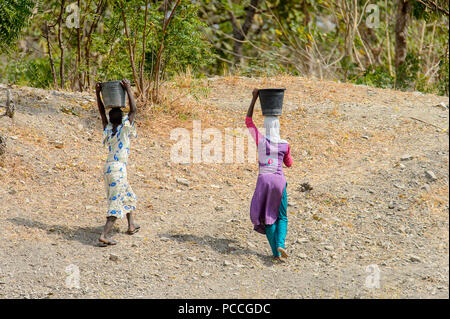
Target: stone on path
(183, 181)
(406, 157)
(430, 175)
(415, 259)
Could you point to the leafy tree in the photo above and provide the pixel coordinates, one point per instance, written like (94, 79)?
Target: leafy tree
(151, 41)
(14, 15)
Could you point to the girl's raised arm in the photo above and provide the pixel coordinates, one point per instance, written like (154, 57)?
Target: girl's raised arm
(248, 120)
(127, 87)
(101, 106)
(252, 104)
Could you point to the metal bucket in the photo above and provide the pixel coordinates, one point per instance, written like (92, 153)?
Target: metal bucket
(113, 94)
(271, 101)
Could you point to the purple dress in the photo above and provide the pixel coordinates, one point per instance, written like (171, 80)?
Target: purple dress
(271, 181)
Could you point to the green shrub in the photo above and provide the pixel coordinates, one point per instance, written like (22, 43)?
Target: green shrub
(377, 76)
(34, 72)
(406, 75)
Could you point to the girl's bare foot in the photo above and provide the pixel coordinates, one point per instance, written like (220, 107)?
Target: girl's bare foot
(104, 241)
(283, 252)
(133, 229)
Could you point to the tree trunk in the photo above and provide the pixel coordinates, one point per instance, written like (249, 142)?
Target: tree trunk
(401, 32)
(131, 53)
(88, 41)
(61, 45)
(240, 33)
(50, 56)
(350, 15)
(430, 49)
(78, 61)
(305, 10)
(158, 62)
(388, 42)
(142, 63)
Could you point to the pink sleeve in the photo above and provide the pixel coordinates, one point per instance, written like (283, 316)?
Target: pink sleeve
(288, 158)
(253, 130)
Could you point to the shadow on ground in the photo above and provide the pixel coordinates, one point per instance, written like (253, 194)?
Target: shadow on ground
(223, 246)
(85, 235)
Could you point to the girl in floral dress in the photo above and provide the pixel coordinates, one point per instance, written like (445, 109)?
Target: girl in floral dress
(116, 135)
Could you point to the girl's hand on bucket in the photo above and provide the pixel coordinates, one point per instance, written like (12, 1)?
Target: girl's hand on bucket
(255, 93)
(98, 87)
(125, 84)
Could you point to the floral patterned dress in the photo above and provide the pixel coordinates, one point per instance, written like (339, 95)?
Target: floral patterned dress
(120, 196)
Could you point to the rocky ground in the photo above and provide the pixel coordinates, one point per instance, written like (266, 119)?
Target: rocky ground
(377, 161)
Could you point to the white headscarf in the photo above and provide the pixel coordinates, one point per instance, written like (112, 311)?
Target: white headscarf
(272, 127)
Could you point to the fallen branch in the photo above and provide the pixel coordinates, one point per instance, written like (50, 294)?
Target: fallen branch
(427, 123)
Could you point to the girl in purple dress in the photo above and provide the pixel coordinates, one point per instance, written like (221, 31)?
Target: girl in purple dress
(269, 202)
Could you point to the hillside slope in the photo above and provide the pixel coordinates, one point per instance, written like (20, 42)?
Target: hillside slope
(365, 151)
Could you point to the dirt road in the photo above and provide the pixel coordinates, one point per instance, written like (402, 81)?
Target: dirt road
(375, 224)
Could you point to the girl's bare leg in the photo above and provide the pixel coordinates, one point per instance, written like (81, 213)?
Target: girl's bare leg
(132, 226)
(105, 236)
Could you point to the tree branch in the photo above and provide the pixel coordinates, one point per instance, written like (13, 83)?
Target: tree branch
(433, 6)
